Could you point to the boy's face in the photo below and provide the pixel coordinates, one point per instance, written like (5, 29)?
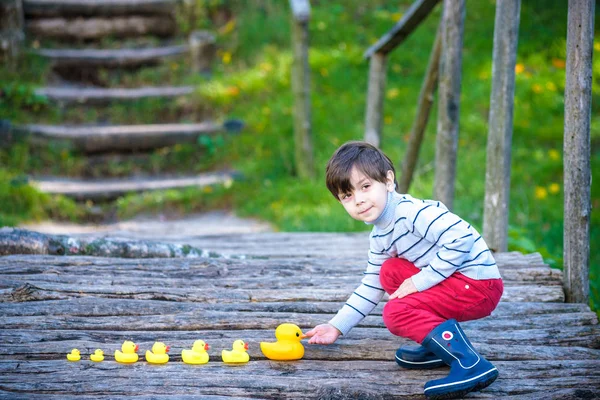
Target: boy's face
(367, 200)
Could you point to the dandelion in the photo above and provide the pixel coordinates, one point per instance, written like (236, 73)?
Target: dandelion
(233, 90)
(540, 193)
(226, 57)
(554, 188)
(484, 75)
(388, 120)
(558, 63)
(519, 68)
(537, 88)
(393, 93)
(396, 16)
(551, 86)
(597, 46)
(554, 154)
(228, 27)
(324, 72)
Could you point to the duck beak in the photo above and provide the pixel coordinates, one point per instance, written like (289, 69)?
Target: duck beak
(137, 347)
(303, 336)
(206, 347)
(167, 349)
(246, 346)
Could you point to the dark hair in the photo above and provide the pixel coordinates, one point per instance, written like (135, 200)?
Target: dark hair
(365, 157)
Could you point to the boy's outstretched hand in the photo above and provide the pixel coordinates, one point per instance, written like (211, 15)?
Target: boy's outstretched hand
(323, 334)
(405, 289)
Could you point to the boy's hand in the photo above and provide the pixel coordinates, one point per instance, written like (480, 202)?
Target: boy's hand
(323, 334)
(405, 289)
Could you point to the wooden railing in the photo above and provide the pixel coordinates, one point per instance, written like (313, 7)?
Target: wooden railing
(445, 70)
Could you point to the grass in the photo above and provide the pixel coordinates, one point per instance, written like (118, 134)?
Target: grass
(251, 81)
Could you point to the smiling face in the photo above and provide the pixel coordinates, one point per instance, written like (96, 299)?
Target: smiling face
(366, 199)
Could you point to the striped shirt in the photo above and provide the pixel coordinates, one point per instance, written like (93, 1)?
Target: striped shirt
(425, 233)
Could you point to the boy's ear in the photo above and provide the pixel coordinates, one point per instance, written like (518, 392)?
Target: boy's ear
(390, 178)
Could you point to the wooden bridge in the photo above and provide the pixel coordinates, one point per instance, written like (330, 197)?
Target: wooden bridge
(543, 347)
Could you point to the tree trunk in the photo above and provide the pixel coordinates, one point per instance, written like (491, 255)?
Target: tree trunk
(303, 149)
(449, 101)
(422, 117)
(497, 177)
(577, 170)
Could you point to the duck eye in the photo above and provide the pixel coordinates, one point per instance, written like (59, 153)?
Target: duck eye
(297, 334)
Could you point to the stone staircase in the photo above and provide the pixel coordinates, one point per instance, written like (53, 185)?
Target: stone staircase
(73, 36)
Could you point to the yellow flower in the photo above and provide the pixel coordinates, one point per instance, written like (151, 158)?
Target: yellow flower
(554, 154)
(207, 189)
(228, 27)
(392, 93)
(551, 86)
(597, 46)
(519, 68)
(540, 192)
(554, 188)
(558, 63)
(226, 57)
(387, 120)
(396, 16)
(484, 75)
(537, 88)
(324, 72)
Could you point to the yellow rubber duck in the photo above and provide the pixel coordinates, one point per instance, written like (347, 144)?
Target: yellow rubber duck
(287, 347)
(97, 356)
(158, 355)
(74, 355)
(197, 355)
(237, 355)
(128, 354)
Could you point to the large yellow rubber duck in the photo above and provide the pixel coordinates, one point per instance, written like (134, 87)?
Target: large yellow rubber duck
(128, 354)
(197, 355)
(287, 347)
(158, 355)
(97, 356)
(237, 355)
(74, 355)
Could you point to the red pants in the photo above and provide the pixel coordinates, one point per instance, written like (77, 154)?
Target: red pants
(458, 297)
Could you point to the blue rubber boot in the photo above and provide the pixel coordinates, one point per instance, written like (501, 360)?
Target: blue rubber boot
(469, 371)
(417, 357)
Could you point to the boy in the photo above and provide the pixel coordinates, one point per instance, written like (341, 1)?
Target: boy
(435, 267)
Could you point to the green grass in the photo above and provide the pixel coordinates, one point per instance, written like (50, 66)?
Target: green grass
(251, 81)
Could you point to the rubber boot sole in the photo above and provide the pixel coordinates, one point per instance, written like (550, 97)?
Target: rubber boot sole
(462, 391)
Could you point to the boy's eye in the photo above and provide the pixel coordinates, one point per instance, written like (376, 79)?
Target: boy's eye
(345, 196)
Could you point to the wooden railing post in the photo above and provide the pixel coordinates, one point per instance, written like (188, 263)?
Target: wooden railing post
(497, 176)
(423, 110)
(449, 101)
(577, 169)
(11, 31)
(374, 112)
(303, 150)
(202, 51)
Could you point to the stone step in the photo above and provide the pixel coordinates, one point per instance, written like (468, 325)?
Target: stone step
(111, 57)
(98, 7)
(109, 189)
(94, 28)
(95, 95)
(98, 139)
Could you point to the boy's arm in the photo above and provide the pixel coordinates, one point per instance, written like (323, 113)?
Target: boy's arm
(446, 230)
(362, 301)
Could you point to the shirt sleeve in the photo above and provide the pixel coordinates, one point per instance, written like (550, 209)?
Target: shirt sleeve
(452, 236)
(362, 301)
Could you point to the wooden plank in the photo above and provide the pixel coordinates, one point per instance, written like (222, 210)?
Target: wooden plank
(113, 188)
(576, 166)
(265, 379)
(99, 27)
(94, 139)
(97, 7)
(127, 57)
(100, 95)
(500, 125)
(413, 17)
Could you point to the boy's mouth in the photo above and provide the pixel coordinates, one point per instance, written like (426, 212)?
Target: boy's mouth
(365, 210)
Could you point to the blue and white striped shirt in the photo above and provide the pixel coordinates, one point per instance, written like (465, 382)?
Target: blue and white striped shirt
(425, 233)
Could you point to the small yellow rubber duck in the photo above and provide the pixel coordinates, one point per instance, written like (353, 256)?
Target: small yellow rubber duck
(128, 354)
(197, 355)
(97, 356)
(74, 355)
(158, 355)
(237, 355)
(287, 347)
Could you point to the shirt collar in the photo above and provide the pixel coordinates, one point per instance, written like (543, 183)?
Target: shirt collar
(389, 211)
